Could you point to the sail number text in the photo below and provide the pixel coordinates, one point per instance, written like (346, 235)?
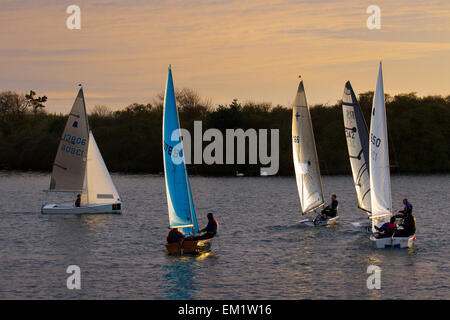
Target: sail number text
(296, 139)
(376, 141)
(74, 141)
(171, 151)
(350, 134)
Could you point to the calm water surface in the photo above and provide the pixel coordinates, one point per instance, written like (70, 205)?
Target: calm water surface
(261, 252)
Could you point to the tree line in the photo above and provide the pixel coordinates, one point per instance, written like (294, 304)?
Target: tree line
(130, 139)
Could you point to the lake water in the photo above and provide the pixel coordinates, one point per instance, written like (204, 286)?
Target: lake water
(261, 252)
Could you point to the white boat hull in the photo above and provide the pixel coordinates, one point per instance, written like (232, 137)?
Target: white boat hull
(65, 208)
(319, 223)
(396, 242)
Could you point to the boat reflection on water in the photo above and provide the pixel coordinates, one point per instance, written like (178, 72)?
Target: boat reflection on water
(181, 274)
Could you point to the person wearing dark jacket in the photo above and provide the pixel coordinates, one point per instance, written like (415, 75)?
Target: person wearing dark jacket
(78, 201)
(408, 226)
(210, 230)
(174, 236)
(331, 210)
(407, 209)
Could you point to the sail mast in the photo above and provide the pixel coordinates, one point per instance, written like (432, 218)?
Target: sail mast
(69, 167)
(380, 185)
(357, 137)
(179, 199)
(305, 158)
(87, 151)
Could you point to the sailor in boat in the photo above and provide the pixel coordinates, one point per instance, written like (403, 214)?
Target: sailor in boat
(408, 208)
(408, 226)
(387, 229)
(174, 236)
(210, 230)
(331, 210)
(78, 201)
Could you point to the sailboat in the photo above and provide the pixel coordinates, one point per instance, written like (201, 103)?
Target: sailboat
(178, 191)
(357, 137)
(380, 182)
(79, 168)
(306, 164)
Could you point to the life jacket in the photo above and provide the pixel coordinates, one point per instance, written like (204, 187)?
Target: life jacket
(217, 225)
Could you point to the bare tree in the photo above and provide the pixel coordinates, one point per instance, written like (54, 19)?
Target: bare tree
(101, 111)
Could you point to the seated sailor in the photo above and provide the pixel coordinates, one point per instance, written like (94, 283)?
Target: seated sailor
(407, 227)
(386, 230)
(78, 201)
(210, 230)
(331, 210)
(174, 236)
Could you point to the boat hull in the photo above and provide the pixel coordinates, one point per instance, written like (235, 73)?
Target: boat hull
(189, 247)
(320, 223)
(64, 208)
(396, 242)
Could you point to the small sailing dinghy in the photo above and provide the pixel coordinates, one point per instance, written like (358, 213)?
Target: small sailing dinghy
(79, 168)
(179, 198)
(306, 164)
(357, 137)
(380, 183)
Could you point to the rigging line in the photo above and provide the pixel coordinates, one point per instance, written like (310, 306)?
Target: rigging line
(391, 143)
(368, 211)
(75, 115)
(314, 208)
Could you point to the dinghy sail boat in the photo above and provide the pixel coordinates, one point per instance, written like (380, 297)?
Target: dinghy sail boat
(179, 198)
(306, 164)
(357, 137)
(79, 168)
(380, 183)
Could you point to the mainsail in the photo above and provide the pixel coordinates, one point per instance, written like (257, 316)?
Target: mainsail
(70, 162)
(178, 191)
(99, 185)
(358, 146)
(306, 165)
(380, 184)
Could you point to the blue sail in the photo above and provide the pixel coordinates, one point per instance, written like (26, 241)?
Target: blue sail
(178, 191)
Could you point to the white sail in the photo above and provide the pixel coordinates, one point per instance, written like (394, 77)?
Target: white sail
(357, 137)
(70, 161)
(380, 184)
(99, 185)
(306, 165)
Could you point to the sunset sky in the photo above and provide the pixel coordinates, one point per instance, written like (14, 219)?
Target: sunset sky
(250, 50)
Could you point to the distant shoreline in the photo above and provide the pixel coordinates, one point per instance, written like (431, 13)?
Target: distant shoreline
(130, 140)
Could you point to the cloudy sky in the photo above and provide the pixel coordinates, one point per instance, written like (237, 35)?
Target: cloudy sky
(250, 50)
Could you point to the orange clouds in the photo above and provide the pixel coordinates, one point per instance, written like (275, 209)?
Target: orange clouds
(223, 49)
